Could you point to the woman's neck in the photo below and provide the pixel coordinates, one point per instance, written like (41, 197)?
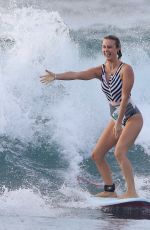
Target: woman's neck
(112, 65)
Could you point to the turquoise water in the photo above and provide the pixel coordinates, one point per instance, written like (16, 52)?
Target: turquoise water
(47, 132)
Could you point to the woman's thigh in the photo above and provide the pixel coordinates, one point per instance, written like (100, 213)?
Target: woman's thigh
(130, 133)
(106, 141)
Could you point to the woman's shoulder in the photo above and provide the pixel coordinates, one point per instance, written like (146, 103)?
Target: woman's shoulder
(126, 67)
(98, 71)
(126, 70)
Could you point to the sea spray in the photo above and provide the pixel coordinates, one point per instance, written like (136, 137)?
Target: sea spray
(69, 116)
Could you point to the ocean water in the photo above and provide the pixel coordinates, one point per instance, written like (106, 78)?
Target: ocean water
(47, 132)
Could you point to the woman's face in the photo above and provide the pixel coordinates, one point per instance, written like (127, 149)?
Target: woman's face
(109, 49)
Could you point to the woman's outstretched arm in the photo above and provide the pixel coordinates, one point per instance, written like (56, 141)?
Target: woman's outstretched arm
(83, 75)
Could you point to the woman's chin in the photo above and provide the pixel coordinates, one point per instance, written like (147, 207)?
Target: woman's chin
(108, 58)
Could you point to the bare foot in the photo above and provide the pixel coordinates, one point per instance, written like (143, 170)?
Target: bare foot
(106, 194)
(128, 195)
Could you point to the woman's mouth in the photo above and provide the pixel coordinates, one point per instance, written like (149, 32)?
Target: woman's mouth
(107, 54)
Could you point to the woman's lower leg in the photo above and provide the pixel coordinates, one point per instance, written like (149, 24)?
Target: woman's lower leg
(105, 171)
(126, 167)
(109, 187)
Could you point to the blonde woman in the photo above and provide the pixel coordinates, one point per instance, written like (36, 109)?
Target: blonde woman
(117, 79)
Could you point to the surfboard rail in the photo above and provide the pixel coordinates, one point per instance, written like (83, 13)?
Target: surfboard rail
(131, 208)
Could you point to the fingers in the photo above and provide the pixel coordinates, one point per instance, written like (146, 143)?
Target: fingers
(116, 135)
(117, 131)
(45, 79)
(48, 71)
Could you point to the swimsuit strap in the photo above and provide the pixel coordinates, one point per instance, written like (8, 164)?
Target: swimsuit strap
(117, 71)
(103, 69)
(119, 68)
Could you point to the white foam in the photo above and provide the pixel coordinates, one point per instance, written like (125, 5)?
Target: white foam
(72, 113)
(78, 14)
(40, 38)
(25, 202)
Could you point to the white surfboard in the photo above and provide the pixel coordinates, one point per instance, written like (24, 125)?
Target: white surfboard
(122, 202)
(131, 208)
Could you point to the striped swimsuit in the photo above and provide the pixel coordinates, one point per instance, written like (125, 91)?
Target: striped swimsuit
(113, 92)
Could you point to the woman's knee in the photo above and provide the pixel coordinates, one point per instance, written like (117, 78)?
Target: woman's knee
(94, 155)
(120, 152)
(97, 156)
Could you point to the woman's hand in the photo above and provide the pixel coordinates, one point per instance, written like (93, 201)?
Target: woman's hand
(117, 129)
(50, 76)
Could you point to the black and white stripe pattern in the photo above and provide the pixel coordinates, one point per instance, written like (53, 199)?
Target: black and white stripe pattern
(112, 88)
(131, 109)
